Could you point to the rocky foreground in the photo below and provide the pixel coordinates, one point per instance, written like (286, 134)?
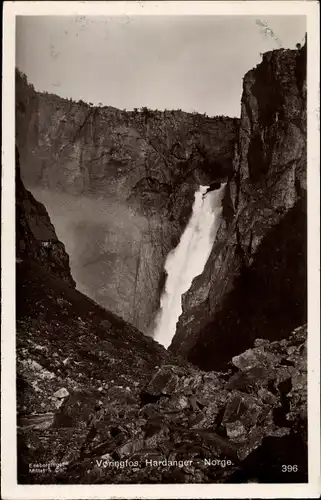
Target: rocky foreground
(92, 390)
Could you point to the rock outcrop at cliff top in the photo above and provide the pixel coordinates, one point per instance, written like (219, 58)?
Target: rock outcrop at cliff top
(142, 168)
(255, 278)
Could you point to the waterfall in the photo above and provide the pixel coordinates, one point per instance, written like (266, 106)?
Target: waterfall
(188, 259)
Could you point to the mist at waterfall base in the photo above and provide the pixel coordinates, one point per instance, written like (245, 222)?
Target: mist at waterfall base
(188, 259)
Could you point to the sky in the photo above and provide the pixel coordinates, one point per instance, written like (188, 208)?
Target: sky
(193, 63)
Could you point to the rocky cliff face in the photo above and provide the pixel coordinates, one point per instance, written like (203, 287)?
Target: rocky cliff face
(36, 238)
(255, 277)
(136, 172)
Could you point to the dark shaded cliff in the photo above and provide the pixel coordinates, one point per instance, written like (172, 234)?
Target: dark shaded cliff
(119, 187)
(255, 278)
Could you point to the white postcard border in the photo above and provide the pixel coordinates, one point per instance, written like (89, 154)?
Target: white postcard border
(10, 488)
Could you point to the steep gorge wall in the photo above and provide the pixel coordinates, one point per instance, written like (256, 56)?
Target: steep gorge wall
(255, 278)
(119, 187)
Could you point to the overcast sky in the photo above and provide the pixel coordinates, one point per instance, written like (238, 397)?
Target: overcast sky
(194, 63)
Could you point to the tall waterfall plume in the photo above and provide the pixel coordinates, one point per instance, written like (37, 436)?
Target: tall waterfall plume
(188, 259)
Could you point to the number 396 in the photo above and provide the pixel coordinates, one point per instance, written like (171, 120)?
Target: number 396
(289, 468)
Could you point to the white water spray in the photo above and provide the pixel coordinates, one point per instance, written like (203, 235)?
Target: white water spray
(188, 259)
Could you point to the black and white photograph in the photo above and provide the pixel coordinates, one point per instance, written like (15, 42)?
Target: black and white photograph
(162, 178)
